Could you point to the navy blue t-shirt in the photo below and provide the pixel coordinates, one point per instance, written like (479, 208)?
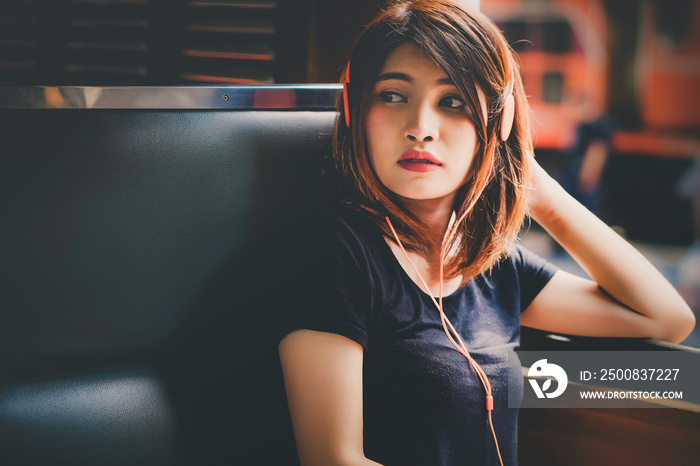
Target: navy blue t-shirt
(423, 403)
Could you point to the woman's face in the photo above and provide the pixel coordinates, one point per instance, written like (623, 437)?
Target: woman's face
(420, 136)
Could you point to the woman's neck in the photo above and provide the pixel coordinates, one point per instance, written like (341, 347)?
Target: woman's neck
(435, 215)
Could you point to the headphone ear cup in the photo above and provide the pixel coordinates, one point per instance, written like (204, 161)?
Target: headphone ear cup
(346, 108)
(507, 117)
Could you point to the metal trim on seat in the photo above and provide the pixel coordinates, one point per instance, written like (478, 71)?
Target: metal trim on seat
(243, 97)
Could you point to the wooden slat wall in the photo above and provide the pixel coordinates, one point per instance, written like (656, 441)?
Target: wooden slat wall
(229, 41)
(106, 39)
(153, 42)
(18, 39)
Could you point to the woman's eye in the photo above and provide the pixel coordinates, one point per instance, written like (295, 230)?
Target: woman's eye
(390, 97)
(452, 102)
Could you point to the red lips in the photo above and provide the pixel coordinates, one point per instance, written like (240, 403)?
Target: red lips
(418, 161)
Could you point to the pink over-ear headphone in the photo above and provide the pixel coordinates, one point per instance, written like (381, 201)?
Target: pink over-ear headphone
(507, 114)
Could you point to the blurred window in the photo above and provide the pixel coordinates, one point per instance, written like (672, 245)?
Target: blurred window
(673, 21)
(557, 36)
(553, 35)
(516, 31)
(552, 87)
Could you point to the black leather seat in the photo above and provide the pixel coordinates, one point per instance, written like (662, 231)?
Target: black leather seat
(147, 259)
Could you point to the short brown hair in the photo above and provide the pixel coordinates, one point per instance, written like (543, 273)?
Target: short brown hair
(475, 55)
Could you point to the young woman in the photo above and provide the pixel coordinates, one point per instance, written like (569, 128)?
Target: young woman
(403, 356)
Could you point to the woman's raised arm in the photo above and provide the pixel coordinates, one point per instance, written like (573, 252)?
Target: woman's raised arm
(323, 380)
(628, 296)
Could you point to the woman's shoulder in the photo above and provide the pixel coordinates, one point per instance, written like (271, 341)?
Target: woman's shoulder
(354, 241)
(522, 265)
(346, 223)
(515, 279)
(525, 260)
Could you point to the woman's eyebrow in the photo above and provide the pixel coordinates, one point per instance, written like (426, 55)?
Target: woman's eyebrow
(409, 79)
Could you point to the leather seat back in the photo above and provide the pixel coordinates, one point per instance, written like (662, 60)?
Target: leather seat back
(146, 262)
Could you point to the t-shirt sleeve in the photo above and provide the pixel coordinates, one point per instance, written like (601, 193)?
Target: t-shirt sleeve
(534, 273)
(341, 299)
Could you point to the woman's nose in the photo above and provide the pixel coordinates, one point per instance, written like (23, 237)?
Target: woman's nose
(421, 124)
